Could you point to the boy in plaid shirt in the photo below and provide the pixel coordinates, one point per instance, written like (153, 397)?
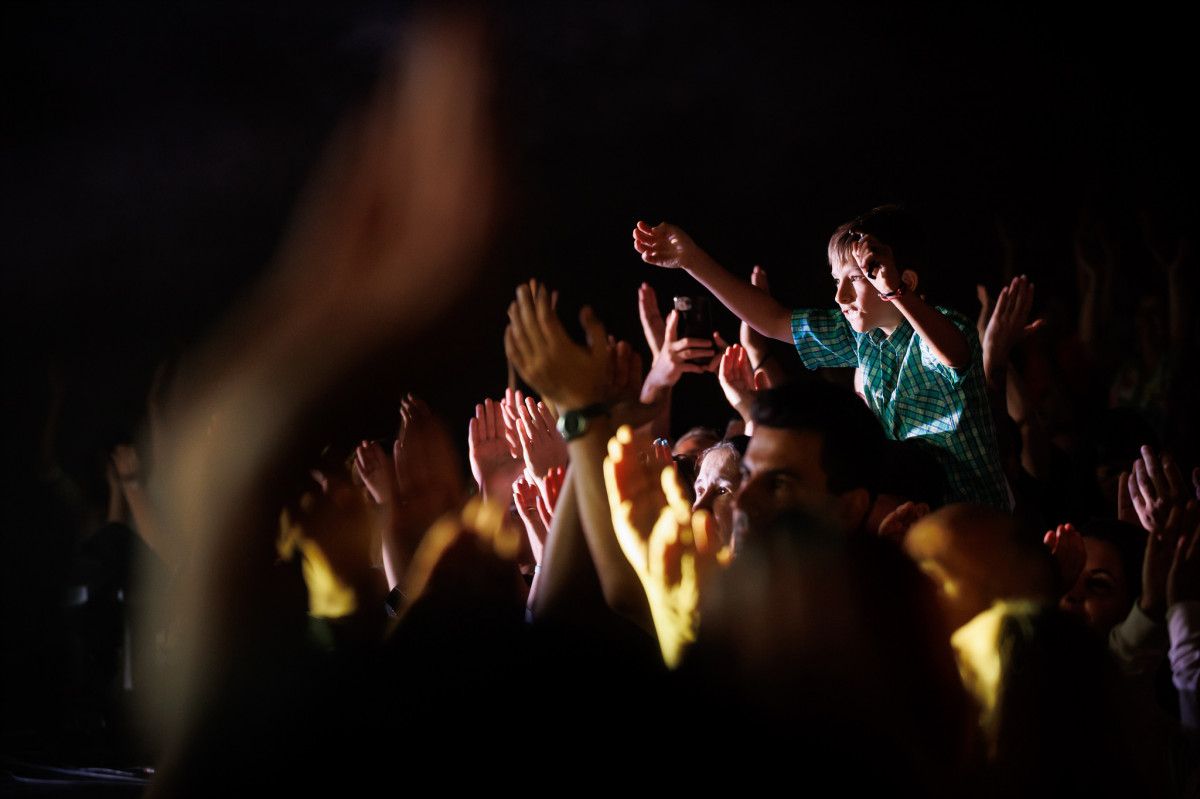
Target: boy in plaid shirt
(921, 365)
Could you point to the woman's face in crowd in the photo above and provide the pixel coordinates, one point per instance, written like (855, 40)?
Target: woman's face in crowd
(716, 484)
(1100, 596)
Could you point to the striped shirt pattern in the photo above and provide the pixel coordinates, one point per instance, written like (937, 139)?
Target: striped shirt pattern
(914, 395)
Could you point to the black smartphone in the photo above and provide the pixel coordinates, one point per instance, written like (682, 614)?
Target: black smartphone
(695, 321)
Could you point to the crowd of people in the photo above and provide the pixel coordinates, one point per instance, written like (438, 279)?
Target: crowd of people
(916, 564)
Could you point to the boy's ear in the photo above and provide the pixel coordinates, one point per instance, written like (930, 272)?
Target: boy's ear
(909, 278)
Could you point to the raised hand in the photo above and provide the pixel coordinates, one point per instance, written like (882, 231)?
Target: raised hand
(127, 464)
(671, 549)
(1066, 545)
(623, 374)
(740, 384)
(565, 374)
(877, 262)
(542, 448)
(427, 481)
(513, 399)
(663, 245)
(378, 472)
(1155, 488)
(1006, 326)
(492, 462)
(653, 326)
(549, 489)
(1158, 495)
(526, 499)
(672, 360)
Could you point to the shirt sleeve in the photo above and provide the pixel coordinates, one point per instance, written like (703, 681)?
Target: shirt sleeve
(823, 338)
(931, 361)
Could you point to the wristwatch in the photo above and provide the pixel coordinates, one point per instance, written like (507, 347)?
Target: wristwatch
(573, 424)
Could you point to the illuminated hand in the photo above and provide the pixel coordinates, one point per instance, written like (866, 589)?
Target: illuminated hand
(653, 326)
(740, 384)
(548, 490)
(1157, 491)
(663, 245)
(1006, 325)
(492, 461)
(1154, 489)
(378, 472)
(512, 401)
(566, 375)
(1066, 545)
(876, 260)
(671, 550)
(542, 448)
(673, 360)
(527, 499)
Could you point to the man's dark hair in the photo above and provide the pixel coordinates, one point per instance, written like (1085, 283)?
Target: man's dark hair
(851, 438)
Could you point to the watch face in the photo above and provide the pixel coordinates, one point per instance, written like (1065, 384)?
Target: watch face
(572, 424)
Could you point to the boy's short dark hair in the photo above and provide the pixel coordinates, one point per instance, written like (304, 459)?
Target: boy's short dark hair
(851, 438)
(893, 226)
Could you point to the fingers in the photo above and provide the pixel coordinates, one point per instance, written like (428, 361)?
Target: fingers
(653, 326)
(593, 328)
(1172, 476)
(671, 330)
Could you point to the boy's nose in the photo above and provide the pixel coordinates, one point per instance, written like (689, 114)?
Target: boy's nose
(843, 294)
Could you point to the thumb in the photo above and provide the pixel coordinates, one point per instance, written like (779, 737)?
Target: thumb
(671, 333)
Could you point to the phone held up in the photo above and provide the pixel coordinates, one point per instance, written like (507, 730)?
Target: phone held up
(695, 321)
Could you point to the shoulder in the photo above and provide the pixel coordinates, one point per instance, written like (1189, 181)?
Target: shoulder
(821, 323)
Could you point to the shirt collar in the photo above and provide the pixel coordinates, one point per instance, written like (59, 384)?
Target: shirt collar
(899, 338)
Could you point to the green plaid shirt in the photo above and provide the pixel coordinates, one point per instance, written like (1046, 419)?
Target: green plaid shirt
(913, 394)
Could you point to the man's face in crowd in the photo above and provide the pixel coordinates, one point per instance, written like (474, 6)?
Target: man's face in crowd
(781, 472)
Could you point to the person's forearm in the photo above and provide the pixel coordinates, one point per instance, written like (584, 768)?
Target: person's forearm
(622, 589)
(754, 307)
(948, 343)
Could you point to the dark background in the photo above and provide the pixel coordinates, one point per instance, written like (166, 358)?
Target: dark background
(151, 154)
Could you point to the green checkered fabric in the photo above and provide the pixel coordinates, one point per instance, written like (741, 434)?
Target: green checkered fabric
(914, 395)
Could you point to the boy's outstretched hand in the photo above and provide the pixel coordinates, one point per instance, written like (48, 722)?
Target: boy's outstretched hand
(663, 245)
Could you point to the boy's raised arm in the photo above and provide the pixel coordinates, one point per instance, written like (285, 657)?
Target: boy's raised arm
(878, 264)
(667, 246)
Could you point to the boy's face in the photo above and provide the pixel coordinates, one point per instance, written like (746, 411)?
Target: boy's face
(860, 302)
